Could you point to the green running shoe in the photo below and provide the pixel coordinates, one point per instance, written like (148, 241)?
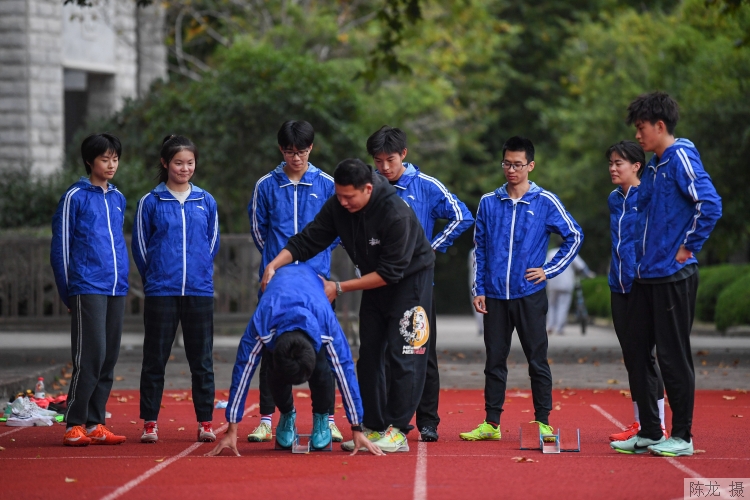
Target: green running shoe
(545, 429)
(393, 440)
(372, 435)
(261, 434)
(635, 445)
(484, 432)
(336, 436)
(672, 447)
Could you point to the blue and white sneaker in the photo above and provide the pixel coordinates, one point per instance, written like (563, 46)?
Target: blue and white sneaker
(286, 429)
(635, 445)
(672, 447)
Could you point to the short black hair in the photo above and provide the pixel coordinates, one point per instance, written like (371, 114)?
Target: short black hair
(653, 107)
(630, 151)
(293, 358)
(96, 145)
(297, 133)
(518, 143)
(170, 146)
(386, 140)
(353, 172)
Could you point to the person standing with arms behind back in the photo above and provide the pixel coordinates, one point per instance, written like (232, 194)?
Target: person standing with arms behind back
(175, 240)
(89, 258)
(430, 200)
(678, 208)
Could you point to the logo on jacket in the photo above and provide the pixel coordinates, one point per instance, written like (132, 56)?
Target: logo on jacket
(313, 194)
(530, 211)
(414, 327)
(411, 196)
(374, 242)
(120, 209)
(201, 207)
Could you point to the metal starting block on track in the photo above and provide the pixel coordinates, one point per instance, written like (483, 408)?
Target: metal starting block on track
(562, 440)
(301, 444)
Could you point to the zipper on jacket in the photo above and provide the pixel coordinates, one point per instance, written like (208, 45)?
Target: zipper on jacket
(184, 253)
(510, 251)
(645, 231)
(112, 240)
(619, 237)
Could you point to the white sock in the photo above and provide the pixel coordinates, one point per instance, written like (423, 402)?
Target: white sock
(661, 411)
(266, 419)
(90, 429)
(635, 412)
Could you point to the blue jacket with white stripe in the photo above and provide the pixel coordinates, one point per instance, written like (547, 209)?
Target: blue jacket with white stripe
(294, 300)
(510, 238)
(88, 253)
(279, 209)
(677, 205)
(431, 201)
(623, 212)
(174, 244)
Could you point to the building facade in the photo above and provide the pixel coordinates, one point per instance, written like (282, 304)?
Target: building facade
(61, 65)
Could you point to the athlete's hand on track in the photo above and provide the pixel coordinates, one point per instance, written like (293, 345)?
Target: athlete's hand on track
(683, 254)
(330, 289)
(267, 275)
(479, 304)
(228, 441)
(536, 274)
(361, 441)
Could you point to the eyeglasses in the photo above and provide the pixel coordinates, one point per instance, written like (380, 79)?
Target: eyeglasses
(289, 153)
(515, 166)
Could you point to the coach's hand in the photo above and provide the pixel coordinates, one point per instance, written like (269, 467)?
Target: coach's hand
(361, 441)
(480, 304)
(267, 275)
(330, 289)
(228, 441)
(536, 274)
(683, 254)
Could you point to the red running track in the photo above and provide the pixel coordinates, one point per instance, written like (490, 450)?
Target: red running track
(34, 463)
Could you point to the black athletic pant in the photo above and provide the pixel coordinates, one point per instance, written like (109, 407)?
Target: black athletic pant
(96, 330)
(619, 303)
(528, 316)
(321, 386)
(161, 317)
(427, 411)
(662, 315)
(394, 321)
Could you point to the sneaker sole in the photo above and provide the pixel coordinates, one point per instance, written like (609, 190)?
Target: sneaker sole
(337, 439)
(253, 439)
(670, 454)
(206, 439)
(148, 440)
(629, 452)
(77, 444)
(105, 443)
(472, 438)
(403, 447)
(429, 439)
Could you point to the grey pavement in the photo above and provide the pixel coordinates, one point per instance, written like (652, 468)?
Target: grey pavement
(582, 361)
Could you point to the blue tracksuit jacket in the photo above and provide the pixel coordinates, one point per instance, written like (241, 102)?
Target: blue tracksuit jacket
(623, 212)
(431, 201)
(279, 209)
(294, 300)
(677, 205)
(88, 252)
(174, 244)
(511, 238)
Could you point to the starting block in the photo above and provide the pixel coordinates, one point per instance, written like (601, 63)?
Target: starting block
(562, 440)
(301, 444)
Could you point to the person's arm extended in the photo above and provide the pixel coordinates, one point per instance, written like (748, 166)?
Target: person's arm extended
(366, 282)
(284, 258)
(316, 236)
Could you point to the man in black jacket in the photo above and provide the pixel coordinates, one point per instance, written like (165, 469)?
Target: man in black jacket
(394, 264)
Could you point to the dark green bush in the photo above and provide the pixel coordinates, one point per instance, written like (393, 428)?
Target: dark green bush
(27, 200)
(713, 281)
(733, 304)
(596, 293)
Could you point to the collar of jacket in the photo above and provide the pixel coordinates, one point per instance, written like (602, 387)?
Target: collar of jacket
(85, 183)
(633, 189)
(669, 153)
(411, 173)
(533, 192)
(162, 192)
(307, 178)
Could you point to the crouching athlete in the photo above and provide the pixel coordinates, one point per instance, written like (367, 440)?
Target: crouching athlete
(295, 322)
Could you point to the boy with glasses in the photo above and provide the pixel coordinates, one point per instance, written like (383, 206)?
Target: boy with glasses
(511, 236)
(284, 201)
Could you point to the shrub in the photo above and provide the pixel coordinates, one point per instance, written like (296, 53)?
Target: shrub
(733, 304)
(596, 293)
(713, 281)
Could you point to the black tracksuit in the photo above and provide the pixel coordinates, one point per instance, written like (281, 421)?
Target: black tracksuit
(386, 237)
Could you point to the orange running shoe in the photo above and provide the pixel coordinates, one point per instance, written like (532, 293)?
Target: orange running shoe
(627, 433)
(102, 435)
(76, 436)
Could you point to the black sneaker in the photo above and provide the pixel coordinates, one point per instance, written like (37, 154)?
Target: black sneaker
(429, 434)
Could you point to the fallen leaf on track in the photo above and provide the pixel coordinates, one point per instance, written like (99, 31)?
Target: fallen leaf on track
(160, 460)
(737, 416)
(729, 398)
(2, 449)
(122, 400)
(699, 451)
(302, 395)
(525, 411)
(625, 393)
(132, 421)
(597, 391)
(70, 480)
(522, 460)
(180, 428)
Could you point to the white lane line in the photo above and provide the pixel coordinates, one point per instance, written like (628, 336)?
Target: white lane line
(682, 468)
(11, 432)
(420, 475)
(135, 482)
